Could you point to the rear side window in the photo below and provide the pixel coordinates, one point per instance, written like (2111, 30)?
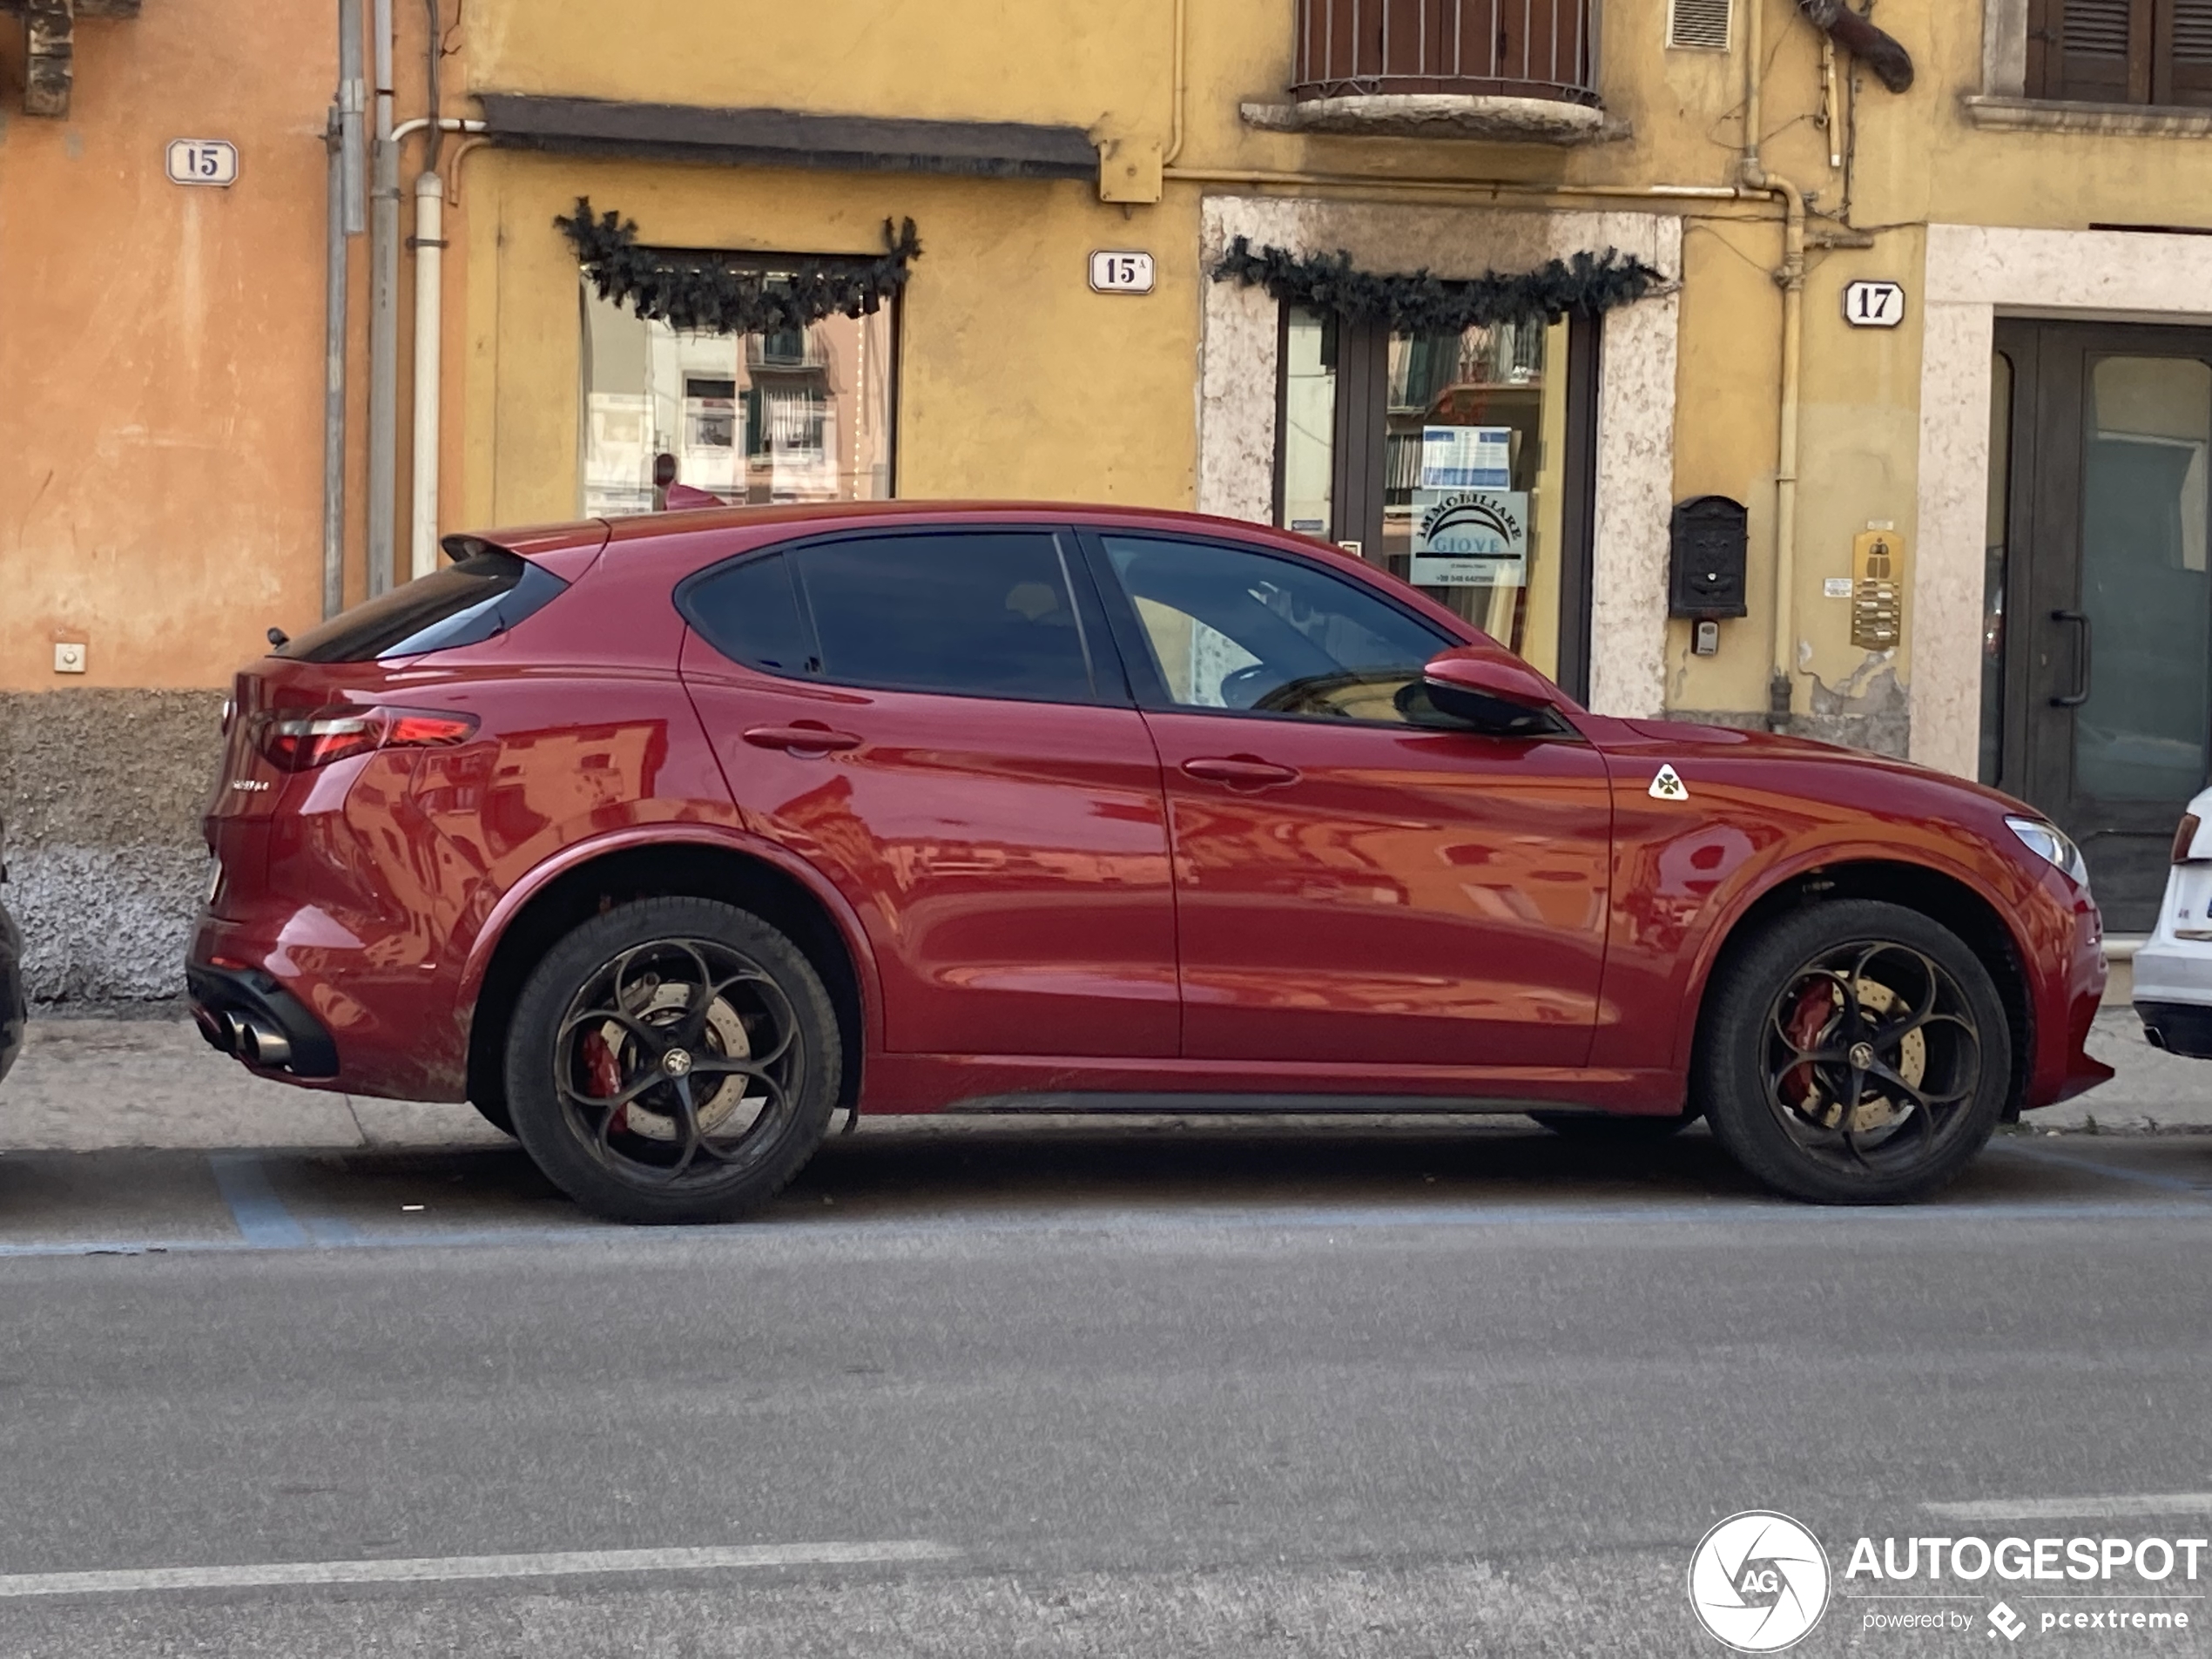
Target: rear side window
(464, 603)
(984, 613)
(973, 613)
(750, 613)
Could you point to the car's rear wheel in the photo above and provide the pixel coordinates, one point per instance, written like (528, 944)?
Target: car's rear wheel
(672, 1060)
(1855, 1052)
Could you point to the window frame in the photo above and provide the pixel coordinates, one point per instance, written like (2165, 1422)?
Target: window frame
(1107, 670)
(1133, 644)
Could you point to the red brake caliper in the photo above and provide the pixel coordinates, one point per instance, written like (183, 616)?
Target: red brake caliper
(605, 1074)
(1815, 1003)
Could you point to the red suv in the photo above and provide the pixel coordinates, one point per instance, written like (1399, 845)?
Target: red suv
(663, 840)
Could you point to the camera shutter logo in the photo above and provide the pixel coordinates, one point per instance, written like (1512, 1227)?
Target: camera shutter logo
(1758, 1582)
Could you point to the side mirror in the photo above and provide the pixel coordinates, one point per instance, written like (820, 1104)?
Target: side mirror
(1469, 688)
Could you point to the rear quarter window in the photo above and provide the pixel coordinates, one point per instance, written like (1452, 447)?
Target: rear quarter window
(464, 603)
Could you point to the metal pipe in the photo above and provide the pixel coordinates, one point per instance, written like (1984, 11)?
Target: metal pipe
(333, 373)
(1175, 136)
(383, 314)
(353, 102)
(429, 243)
(1783, 682)
(1387, 183)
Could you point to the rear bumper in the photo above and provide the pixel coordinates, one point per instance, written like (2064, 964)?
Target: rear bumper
(354, 1020)
(245, 1012)
(2178, 1027)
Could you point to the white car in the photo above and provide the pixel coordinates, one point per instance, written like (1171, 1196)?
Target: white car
(2174, 968)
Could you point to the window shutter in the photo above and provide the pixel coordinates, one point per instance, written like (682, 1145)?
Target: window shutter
(1703, 24)
(2095, 38)
(2186, 76)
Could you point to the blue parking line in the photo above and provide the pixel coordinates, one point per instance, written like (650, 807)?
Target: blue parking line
(2140, 1177)
(262, 1220)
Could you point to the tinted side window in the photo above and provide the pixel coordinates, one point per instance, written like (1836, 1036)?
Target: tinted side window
(750, 613)
(1233, 629)
(987, 613)
(462, 604)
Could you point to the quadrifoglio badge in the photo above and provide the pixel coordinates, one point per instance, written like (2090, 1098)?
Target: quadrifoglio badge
(1760, 1582)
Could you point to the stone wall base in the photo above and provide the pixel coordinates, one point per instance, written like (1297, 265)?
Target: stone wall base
(101, 792)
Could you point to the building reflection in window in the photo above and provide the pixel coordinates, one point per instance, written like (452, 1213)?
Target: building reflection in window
(804, 415)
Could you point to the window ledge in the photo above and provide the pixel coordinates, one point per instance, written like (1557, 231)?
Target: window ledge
(1441, 115)
(2064, 115)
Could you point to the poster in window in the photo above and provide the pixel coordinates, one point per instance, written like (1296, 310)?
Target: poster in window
(1466, 457)
(1470, 538)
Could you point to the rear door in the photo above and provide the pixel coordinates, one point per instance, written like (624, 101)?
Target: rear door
(937, 721)
(1353, 886)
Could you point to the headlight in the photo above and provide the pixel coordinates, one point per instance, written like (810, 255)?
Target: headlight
(2049, 841)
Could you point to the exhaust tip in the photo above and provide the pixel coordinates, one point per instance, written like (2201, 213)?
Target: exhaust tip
(262, 1045)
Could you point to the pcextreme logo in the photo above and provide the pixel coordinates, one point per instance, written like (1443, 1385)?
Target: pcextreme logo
(1758, 1582)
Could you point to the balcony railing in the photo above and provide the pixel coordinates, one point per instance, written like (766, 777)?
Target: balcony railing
(1530, 49)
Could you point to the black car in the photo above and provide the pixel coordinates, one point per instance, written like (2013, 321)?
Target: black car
(12, 1006)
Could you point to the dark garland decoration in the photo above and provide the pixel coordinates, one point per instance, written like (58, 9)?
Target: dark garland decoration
(701, 290)
(1422, 304)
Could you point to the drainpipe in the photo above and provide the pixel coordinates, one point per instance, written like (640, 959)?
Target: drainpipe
(347, 218)
(428, 242)
(383, 314)
(1781, 685)
(1175, 136)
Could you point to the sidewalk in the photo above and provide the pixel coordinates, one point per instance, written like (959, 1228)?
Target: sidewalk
(85, 1084)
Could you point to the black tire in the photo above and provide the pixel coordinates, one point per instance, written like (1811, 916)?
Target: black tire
(1611, 1129)
(673, 991)
(1853, 1052)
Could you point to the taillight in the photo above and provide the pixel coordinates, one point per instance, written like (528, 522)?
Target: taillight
(2185, 837)
(302, 742)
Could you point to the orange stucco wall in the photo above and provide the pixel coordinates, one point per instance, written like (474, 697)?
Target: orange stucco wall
(161, 346)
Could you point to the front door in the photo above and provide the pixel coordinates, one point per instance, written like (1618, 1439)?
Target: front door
(2098, 696)
(1351, 886)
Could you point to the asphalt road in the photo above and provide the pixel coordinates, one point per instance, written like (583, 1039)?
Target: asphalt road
(1062, 1390)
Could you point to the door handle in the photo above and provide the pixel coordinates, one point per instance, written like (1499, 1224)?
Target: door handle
(2080, 694)
(800, 740)
(1240, 771)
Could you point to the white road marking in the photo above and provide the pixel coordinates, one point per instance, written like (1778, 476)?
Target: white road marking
(2141, 1503)
(443, 1568)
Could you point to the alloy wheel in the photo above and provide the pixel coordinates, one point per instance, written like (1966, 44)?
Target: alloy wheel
(1872, 1053)
(677, 1061)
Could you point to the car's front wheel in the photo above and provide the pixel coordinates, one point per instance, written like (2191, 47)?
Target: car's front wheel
(1855, 1052)
(672, 1060)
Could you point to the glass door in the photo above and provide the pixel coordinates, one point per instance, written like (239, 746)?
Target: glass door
(1461, 463)
(2105, 716)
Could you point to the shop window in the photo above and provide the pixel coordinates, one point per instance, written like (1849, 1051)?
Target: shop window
(1455, 461)
(796, 416)
(2120, 51)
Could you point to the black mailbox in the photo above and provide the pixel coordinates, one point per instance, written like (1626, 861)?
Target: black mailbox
(1705, 577)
